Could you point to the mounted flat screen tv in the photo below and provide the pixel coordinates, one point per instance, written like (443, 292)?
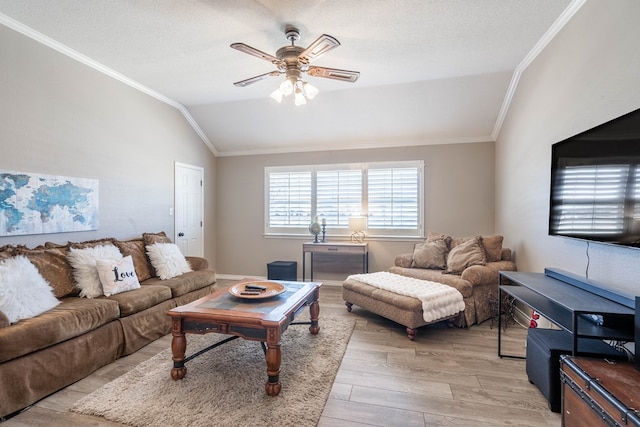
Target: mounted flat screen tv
(595, 183)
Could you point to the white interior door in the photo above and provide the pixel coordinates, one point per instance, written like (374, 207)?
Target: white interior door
(189, 211)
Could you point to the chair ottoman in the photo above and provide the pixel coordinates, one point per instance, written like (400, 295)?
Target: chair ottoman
(402, 309)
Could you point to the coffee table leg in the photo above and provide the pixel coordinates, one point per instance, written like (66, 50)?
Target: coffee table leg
(314, 313)
(178, 348)
(274, 356)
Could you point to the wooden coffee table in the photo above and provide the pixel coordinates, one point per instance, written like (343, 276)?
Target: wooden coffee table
(263, 320)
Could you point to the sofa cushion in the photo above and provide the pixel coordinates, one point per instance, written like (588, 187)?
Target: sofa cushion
(117, 275)
(430, 254)
(53, 245)
(4, 320)
(140, 299)
(6, 251)
(72, 317)
(194, 295)
(140, 329)
(23, 291)
(433, 236)
(151, 238)
(135, 248)
(464, 255)
(492, 246)
(91, 243)
(185, 283)
(52, 263)
(167, 260)
(85, 271)
(455, 241)
(404, 260)
(197, 263)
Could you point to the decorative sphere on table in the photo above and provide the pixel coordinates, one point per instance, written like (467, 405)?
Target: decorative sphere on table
(314, 228)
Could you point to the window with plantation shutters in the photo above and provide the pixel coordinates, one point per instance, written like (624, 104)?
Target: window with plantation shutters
(593, 199)
(289, 198)
(393, 198)
(338, 195)
(389, 194)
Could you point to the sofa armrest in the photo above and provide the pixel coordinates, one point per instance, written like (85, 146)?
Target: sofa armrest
(197, 263)
(4, 320)
(484, 274)
(404, 260)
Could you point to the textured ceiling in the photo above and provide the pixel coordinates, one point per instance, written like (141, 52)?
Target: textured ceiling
(432, 71)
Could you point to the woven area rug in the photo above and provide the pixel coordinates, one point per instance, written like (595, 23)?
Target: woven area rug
(225, 386)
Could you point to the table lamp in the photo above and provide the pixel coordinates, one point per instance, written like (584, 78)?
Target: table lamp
(357, 225)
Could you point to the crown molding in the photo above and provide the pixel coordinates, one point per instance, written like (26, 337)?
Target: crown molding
(567, 14)
(65, 50)
(555, 28)
(357, 146)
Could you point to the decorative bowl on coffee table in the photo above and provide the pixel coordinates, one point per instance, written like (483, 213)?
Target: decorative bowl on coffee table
(257, 289)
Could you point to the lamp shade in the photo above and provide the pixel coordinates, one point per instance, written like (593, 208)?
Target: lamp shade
(357, 223)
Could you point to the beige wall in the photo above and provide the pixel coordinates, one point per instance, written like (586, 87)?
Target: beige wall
(60, 117)
(587, 75)
(459, 195)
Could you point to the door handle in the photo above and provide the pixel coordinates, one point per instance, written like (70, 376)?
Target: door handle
(180, 234)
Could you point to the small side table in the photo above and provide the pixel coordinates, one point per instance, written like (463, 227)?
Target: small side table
(335, 248)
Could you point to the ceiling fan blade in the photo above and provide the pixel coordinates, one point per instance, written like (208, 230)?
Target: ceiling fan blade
(243, 83)
(255, 52)
(322, 45)
(334, 73)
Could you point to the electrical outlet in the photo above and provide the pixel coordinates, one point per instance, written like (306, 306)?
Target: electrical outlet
(170, 211)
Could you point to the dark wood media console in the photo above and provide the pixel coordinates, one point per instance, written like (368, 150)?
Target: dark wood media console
(567, 301)
(586, 315)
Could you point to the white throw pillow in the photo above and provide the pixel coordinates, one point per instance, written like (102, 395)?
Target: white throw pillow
(85, 271)
(23, 291)
(167, 260)
(117, 275)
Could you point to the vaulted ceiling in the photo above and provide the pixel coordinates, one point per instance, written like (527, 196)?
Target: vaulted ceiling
(431, 71)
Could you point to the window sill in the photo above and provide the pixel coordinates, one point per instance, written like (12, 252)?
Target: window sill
(335, 238)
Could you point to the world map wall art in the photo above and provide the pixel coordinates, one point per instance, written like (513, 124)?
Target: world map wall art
(32, 203)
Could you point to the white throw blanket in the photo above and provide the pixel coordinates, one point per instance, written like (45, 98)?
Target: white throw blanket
(438, 300)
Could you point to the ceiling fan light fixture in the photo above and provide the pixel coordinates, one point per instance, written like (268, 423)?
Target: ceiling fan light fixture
(277, 95)
(293, 61)
(299, 98)
(300, 89)
(286, 87)
(309, 90)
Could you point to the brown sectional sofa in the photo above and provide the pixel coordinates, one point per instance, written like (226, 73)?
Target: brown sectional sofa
(43, 354)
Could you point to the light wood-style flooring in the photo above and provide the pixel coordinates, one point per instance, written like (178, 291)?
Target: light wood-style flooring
(446, 377)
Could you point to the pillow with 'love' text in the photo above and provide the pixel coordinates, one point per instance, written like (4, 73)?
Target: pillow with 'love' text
(117, 275)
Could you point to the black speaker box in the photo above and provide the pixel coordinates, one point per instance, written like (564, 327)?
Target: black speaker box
(637, 341)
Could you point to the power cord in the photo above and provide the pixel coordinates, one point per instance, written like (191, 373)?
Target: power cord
(586, 273)
(621, 347)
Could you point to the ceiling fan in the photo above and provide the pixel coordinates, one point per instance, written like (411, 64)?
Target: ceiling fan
(293, 61)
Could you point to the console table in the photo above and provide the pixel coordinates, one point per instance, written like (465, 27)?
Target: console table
(566, 300)
(340, 249)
